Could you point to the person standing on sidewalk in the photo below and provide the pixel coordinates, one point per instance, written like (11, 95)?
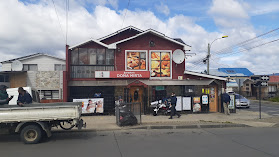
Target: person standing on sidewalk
(173, 105)
(226, 100)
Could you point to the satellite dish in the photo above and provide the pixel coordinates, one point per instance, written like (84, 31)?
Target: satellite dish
(178, 56)
(17, 66)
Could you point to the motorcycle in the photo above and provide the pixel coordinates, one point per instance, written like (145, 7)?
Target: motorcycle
(161, 106)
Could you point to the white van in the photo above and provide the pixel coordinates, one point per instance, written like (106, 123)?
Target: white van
(14, 92)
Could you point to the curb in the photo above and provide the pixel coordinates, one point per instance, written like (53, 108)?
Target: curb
(158, 127)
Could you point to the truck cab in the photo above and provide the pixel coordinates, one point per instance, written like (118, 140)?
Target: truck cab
(14, 92)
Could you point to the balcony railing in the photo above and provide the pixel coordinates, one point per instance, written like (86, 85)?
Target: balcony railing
(88, 71)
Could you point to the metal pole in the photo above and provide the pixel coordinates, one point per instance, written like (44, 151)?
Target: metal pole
(260, 105)
(208, 55)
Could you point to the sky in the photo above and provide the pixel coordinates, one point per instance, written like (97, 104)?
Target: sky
(39, 26)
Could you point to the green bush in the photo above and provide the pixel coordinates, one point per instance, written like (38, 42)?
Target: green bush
(274, 99)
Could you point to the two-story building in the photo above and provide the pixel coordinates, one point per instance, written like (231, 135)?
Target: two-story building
(40, 71)
(137, 66)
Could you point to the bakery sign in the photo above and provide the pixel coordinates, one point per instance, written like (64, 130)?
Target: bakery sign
(122, 74)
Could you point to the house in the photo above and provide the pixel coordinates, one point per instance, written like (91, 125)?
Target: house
(136, 66)
(40, 71)
(273, 85)
(238, 79)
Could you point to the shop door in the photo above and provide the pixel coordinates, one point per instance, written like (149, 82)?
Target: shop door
(136, 95)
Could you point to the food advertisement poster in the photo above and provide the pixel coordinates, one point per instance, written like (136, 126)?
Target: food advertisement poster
(91, 105)
(136, 60)
(160, 64)
(197, 105)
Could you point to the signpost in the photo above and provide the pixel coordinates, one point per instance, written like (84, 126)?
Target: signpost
(260, 80)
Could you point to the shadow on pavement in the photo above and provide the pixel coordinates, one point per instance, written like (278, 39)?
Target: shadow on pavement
(56, 136)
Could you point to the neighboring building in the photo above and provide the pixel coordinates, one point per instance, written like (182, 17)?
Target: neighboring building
(238, 79)
(40, 71)
(273, 85)
(137, 66)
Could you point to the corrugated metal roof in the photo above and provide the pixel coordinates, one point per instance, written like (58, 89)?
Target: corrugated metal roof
(225, 72)
(235, 71)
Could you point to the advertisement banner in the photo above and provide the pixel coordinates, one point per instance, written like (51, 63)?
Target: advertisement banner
(197, 105)
(178, 106)
(122, 74)
(160, 64)
(187, 104)
(232, 102)
(136, 60)
(91, 105)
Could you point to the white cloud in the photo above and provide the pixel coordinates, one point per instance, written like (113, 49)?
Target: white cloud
(33, 28)
(228, 8)
(162, 8)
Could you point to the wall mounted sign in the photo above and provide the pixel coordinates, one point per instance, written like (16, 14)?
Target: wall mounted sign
(122, 74)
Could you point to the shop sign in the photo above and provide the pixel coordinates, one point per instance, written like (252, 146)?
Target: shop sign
(160, 87)
(91, 105)
(122, 74)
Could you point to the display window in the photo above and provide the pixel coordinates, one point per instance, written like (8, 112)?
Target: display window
(136, 60)
(160, 64)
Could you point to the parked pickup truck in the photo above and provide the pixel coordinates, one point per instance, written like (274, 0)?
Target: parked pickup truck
(34, 121)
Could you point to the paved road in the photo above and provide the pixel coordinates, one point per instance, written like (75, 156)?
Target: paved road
(228, 142)
(269, 108)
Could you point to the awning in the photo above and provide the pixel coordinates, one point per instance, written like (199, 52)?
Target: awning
(147, 82)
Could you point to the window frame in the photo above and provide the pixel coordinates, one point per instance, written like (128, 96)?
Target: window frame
(160, 78)
(88, 57)
(28, 65)
(146, 58)
(61, 65)
(43, 93)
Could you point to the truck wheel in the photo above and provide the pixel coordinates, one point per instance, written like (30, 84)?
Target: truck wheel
(31, 134)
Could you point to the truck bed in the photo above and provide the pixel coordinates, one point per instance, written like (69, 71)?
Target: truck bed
(40, 112)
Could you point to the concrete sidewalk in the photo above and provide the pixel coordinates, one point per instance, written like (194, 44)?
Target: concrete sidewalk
(240, 119)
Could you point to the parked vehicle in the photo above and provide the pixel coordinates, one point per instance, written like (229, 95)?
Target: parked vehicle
(161, 107)
(33, 121)
(14, 92)
(241, 101)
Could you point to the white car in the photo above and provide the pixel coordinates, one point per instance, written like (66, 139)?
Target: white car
(241, 101)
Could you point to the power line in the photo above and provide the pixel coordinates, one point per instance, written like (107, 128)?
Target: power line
(125, 14)
(58, 18)
(256, 39)
(67, 10)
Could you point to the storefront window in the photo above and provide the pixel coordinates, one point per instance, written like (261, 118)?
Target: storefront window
(160, 64)
(101, 56)
(83, 56)
(110, 57)
(136, 60)
(91, 56)
(74, 56)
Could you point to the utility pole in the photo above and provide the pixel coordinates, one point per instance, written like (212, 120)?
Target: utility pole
(208, 55)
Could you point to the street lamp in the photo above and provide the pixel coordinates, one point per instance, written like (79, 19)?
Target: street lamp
(208, 54)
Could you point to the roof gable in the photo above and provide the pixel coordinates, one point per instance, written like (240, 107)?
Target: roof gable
(186, 47)
(93, 40)
(31, 56)
(118, 33)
